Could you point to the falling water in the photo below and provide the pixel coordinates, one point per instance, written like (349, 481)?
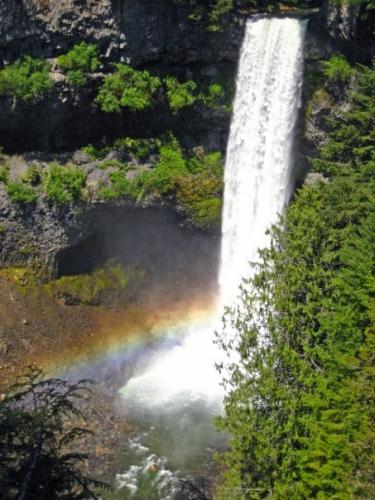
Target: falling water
(257, 187)
(258, 166)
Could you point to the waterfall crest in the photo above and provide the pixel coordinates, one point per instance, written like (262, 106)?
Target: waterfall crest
(257, 187)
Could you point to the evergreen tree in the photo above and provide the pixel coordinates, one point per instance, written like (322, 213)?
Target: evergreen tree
(300, 398)
(40, 423)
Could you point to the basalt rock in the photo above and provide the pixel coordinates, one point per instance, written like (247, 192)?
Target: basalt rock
(136, 31)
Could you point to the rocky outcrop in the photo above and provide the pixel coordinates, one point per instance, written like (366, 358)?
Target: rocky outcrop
(78, 238)
(140, 32)
(346, 27)
(152, 34)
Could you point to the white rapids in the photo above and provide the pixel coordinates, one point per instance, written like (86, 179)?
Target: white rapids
(258, 184)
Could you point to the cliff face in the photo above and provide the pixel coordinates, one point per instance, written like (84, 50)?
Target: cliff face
(152, 34)
(138, 31)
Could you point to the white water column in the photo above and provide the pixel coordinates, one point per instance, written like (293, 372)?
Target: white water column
(257, 187)
(259, 154)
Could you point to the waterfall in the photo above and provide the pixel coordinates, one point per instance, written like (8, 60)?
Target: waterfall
(258, 165)
(257, 187)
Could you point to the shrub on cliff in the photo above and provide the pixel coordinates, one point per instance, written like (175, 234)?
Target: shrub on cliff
(180, 95)
(337, 69)
(80, 60)
(200, 196)
(32, 175)
(63, 185)
(19, 192)
(127, 88)
(27, 79)
(4, 173)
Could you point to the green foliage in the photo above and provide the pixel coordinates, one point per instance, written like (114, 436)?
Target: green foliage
(299, 404)
(27, 79)
(21, 193)
(63, 185)
(337, 69)
(195, 183)
(351, 142)
(4, 173)
(214, 96)
(80, 60)
(41, 429)
(95, 153)
(89, 288)
(211, 163)
(180, 95)
(200, 196)
(138, 148)
(32, 175)
(120, 186)
(127, 88)
(170, 165)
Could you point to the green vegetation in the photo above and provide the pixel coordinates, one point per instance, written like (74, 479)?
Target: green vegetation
(89, 288)
(4, 173)
(200, 196)
(300, 395)
(194, 182)
(80, 60)
(21, 193)
(32, 175)
(127, 88)
(63, 184)
(337, 69)
(41, 430)
(351, 142)
(180, 95)
(137, 148)
(26, 80)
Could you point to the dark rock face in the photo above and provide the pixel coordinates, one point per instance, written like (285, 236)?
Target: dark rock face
(152, 34)
(76, 240)
(137, 31)
(342, 27)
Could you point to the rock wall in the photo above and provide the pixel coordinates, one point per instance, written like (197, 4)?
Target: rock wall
(137, 31)
(151, 34)
(154, 34)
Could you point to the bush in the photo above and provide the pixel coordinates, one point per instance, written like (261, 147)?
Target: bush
(27, 79)
(63, 185)
(180, 95)
(170, 165)
(80, 60)
(210, 163)
(214, 95)
(20, 193)
(32, 175)
(139, 148)
(200, 197)
(337, 69)
(4, 173)
(127, 88)
(95, 153)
